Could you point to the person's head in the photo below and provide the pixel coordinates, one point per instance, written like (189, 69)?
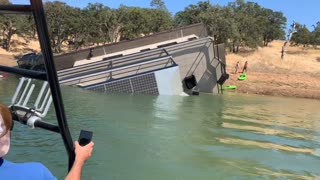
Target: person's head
(6, 125)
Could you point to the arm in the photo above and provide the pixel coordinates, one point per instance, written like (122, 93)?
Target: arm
(83, 153)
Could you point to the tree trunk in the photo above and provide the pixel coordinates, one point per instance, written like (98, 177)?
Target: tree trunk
(233, 47)
(8, 32)
(8, 37)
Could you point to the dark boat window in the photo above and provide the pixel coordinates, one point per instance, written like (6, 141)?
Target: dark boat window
(143, 50)
(168, 44)
(111, 57)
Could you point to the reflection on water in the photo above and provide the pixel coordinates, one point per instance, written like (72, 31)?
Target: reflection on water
(170, 137)
(265, 145)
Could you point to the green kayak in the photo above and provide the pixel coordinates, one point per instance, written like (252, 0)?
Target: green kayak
(242, 77)
(229, 87)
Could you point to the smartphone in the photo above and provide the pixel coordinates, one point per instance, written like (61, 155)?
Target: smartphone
(85, 137)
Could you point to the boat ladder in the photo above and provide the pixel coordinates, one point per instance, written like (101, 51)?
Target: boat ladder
(21, 99)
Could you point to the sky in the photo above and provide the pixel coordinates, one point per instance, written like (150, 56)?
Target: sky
(302, 11)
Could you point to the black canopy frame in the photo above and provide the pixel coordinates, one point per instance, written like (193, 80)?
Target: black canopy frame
(36, 9)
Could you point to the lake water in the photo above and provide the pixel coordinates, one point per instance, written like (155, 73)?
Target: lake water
(230, 136)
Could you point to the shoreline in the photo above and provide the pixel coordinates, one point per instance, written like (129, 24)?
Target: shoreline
(272, 84)
(8, 60)
(297, 75)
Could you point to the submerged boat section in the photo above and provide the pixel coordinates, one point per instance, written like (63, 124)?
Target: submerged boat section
(184, 60)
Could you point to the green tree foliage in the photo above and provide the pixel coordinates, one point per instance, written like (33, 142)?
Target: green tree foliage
(78, 28)
(316, 34)
(191, 14)
(137, 22)
(8, 29)
(27, 27)
(159, 20)
(239, 23)
(272, 24)
(305, 37)
(10, 24)
(302, 36)
(217, 15)
(59, 15)
(158, 4)
(98, 24)
(134, 23)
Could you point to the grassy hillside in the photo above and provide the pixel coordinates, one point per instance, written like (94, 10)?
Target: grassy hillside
(19, 47)
(266, 59)
(297, 75)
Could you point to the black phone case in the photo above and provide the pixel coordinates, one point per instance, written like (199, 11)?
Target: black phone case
(85, 137)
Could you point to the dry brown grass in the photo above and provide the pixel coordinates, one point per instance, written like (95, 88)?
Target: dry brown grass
(297, 59)
(298, 74)
(19, 47)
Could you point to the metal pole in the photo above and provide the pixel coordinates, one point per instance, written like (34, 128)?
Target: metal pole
(43, 36)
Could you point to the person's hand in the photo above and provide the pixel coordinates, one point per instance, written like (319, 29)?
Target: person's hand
(83, 153)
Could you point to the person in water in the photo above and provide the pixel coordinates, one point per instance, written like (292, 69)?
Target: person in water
(33, 170)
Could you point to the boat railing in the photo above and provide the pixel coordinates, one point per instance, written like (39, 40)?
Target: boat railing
(120, 72)
(20, 103)
(114, 62)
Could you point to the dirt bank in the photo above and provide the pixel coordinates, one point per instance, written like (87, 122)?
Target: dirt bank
(298, 75)
(19, 46)
(7, 60)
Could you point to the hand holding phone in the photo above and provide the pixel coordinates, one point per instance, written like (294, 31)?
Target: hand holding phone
(85, 137)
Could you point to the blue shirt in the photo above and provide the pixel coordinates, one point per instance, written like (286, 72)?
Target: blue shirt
(23, 171)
